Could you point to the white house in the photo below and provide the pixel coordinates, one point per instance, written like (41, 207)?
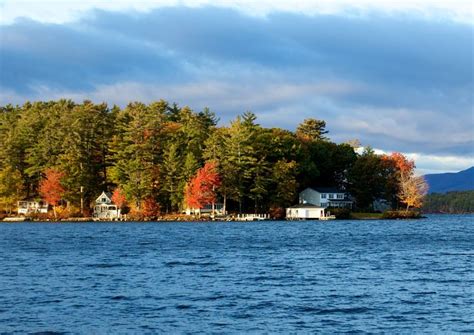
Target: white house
(206, 210)
(305, 212)
(325, 197)
(104, 209)
(30, 207)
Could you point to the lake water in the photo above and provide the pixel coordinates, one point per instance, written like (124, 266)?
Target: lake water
(331, 277)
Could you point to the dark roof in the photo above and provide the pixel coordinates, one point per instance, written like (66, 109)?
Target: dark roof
(328, 190)
(305, 206)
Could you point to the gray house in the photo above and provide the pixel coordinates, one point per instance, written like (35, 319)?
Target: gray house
(325, 197)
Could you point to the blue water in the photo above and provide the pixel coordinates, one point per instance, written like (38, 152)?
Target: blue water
(330, 277)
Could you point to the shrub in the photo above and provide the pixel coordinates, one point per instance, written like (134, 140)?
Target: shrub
(393, 215)
(341, 213)
(277, 213)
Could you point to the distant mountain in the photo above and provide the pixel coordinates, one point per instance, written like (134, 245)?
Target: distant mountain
(446, 182)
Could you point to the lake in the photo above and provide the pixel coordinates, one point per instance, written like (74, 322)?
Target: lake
(233, 277)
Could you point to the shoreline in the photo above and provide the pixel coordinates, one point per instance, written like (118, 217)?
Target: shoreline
(171, 220)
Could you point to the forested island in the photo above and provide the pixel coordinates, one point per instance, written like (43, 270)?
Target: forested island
(160, 158)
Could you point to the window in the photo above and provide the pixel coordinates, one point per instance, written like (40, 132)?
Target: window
(340, 196)
(331, 196)
(104, 199)
(323, 195)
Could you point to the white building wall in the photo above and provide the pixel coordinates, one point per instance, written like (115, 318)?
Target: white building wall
(304, 213)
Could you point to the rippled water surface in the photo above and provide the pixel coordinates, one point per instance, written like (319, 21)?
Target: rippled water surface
(336, 276)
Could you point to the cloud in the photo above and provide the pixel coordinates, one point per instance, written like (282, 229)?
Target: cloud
(427, 164)
(59, 11)
(398, 82)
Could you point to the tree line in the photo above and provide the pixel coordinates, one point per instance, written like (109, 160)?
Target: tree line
(161, 157)
(451, 202)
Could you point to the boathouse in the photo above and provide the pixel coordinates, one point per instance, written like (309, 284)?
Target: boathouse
(209, 209)
(305, 212)
(26, 207)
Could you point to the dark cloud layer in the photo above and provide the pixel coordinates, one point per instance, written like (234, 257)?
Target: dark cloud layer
(399, 83)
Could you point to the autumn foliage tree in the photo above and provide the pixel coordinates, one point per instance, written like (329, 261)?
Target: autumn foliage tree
(411, 188)
(50, 188)
(118, 198)
(201, 189)
(150, 208)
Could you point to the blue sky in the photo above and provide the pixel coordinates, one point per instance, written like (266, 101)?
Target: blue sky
(397, 76)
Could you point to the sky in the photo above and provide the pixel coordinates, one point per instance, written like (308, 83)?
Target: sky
(397, 75)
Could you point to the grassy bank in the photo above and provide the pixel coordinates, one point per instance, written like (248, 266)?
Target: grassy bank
(366, 216)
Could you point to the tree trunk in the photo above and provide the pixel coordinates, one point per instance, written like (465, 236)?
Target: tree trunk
(224, 206)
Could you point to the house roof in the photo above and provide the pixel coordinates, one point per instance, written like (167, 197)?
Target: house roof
(107, 194)
(328, 190)
(305, 206)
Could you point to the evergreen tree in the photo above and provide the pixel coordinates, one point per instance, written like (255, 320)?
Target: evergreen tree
(312, 130)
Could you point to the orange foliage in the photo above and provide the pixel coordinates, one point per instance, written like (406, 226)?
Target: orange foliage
(118, 197)
(411, 189)
(201, 189)
(402, 164)
(150, 208)
(50, 187)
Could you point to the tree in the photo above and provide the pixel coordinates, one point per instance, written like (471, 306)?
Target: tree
(50, 187)
(118, 198)
(367, 179)
(137, 148)
(411, 189)
(284, 183)
(260, 173)
(86, 153)
(311, 130)
(238, 163)
(401, 163)
(11, 188)
(172, 166)
(201, 190)
(150, 208)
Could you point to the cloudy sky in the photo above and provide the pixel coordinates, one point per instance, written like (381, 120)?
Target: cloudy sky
(397, 75)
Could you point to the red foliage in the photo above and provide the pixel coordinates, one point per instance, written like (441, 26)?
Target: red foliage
(402, 164)
(201, 189)
(118, 197)
(150, 208)
(50, 187)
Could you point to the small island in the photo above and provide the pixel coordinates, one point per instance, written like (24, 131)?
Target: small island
(159, 161)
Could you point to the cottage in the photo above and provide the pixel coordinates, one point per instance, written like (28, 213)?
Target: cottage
(104, 209)
(305, 212)
(325, 197)
(32, 207)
